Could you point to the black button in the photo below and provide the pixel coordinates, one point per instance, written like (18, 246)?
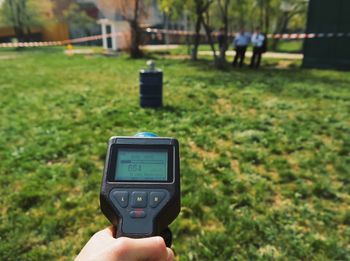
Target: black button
(122, 198)
(137, 214)
(139, 199)
(156, 198)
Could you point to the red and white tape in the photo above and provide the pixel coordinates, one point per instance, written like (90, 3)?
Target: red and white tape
(171, 32)
(308, 36)
(282, 36)
(58, 43)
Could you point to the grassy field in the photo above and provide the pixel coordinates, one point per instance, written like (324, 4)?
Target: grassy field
(264, 155)
(289, 46)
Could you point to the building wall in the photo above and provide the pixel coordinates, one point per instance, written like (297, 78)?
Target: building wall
(153, 17)
(326, 16)
(55, 32)
(50, 32)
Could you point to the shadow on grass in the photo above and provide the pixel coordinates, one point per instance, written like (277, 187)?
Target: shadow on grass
(45, 50)
(292, 73)
(175, 110)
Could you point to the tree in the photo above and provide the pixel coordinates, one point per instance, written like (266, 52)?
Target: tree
(201, 14)
(223, 6)
(22, 15)
(132, 11)
(78, 19)
(176, 9)
(196, 10)
(289, 10)
(173, 8)
(208, 30)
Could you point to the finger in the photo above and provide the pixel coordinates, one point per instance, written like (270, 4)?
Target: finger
(107, 232)
(97, 245)
(170, 255)
(152, 248)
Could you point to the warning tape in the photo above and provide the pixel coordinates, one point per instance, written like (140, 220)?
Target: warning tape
(171, 32)
(59, 43)
(274, 36)
(308, 36)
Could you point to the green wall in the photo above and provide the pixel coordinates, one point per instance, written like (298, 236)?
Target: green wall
(328, 16)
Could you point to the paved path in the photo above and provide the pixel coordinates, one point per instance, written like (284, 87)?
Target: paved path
(156, 47)
(289, 56)
(8, 56)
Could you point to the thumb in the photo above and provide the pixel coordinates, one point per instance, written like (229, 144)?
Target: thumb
(152, 248)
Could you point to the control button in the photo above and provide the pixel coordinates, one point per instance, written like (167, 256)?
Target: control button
(137, 214)
(139, 199)
(122, 198)
(156, 198)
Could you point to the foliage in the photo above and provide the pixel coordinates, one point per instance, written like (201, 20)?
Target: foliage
(231, 15)
(173, 8)
(23, 14)
(243, 13)
(77, 18)
(264, 155)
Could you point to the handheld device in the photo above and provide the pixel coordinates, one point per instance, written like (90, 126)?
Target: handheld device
(140, 191)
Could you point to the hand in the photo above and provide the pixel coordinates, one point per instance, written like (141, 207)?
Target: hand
(103, 246)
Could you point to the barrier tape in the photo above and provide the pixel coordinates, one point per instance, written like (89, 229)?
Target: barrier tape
(274, 36)
(171, 32)
(59, 43)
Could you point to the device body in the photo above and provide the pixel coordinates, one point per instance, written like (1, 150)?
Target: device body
(140, 191)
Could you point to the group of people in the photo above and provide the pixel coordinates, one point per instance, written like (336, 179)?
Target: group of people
(240, 43)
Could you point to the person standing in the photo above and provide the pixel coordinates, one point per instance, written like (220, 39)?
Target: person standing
(240, 44)
(259, 47)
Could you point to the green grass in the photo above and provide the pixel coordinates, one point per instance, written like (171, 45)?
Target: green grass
(264, 155)
(289, 46)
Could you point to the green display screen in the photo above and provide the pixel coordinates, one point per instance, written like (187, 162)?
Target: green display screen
(142, 165)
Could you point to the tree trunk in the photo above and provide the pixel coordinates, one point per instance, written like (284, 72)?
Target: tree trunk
(223, 49)
(217, 61)
(223, 7)
(224, 16)
(20, 35)
(267, 17)
(16, 15)
(261, 13)
(135, 51)
(194, 54)
(282, 29)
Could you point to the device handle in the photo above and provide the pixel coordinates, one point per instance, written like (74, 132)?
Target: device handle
(167, 235)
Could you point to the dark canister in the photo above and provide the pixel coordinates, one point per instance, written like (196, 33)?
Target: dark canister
(151, 86)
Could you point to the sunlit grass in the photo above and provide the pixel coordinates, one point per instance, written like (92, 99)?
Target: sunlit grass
(264, 155)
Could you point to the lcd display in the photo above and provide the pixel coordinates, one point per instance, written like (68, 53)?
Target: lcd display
(142, 165)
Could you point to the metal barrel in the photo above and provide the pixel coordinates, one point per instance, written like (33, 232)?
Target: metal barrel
(151, 88)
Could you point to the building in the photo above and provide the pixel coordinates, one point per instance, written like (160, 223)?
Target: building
(113, 22)
(103, 18)
(56, 26)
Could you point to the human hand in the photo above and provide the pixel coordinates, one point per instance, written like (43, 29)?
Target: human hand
(104, 247)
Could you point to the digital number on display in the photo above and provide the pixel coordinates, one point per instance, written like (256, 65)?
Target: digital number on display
(142, 164)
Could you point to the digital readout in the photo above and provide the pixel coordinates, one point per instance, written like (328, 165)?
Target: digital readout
(142, 165)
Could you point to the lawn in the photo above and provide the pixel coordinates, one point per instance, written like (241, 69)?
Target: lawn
(289, 46)
(264, 155)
